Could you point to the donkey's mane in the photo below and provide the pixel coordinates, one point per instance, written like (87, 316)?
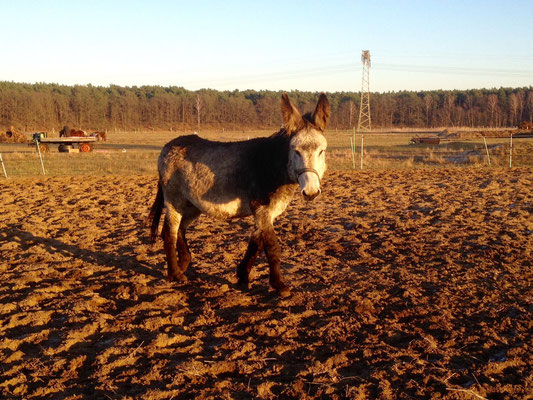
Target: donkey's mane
(307, 122)
(308, 117)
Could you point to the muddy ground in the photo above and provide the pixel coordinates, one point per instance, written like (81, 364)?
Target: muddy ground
(406, 284)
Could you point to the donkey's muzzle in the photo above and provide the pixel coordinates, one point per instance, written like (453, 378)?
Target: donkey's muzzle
(310, 197)
(309, 184)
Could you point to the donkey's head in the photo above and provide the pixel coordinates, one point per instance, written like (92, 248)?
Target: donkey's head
(307, 158)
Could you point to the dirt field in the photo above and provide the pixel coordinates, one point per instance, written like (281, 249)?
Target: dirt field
(406, 284)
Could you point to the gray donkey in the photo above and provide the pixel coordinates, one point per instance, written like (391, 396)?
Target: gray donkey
(236, 179)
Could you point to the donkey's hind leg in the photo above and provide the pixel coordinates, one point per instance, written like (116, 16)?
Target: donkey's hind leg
(255, 245)
(170, 239)
(189, 214)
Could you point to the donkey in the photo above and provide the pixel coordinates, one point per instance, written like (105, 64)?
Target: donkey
(236, 179)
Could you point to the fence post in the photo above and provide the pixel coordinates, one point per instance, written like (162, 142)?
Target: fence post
(362, 139)
(486, 148)
(353, 152)
(352, 147)
(3, 166)
(40, 156)
(511, 152)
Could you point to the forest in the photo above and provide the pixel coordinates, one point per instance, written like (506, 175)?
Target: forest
(46, 106)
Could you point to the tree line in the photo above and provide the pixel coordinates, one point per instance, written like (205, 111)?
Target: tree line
(43, 106)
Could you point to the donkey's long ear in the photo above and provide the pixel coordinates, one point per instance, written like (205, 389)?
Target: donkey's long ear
(291, 117)
(322, 111)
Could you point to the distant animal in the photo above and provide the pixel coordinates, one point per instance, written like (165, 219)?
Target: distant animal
(100, 135)
(235, 179)
(77, 133)
(66, 132)
(526, 125)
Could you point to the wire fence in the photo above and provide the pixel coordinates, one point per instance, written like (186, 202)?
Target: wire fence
(137, 152)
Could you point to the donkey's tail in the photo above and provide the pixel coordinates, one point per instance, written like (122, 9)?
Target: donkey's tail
(155, 213)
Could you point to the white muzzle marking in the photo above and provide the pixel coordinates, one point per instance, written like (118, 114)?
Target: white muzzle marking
(309, 181)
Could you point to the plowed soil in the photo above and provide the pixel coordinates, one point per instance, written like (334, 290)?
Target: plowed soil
(406, 284)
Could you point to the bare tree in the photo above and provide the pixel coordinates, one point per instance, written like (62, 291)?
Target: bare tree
(529, 105)
(449, 105)
(198, 107)
(352, 112)
(513, 108)
(429, 101)
(521, 97)
(469, 106)
(492, 102)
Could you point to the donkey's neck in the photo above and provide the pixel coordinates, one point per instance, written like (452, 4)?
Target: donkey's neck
(267, 159)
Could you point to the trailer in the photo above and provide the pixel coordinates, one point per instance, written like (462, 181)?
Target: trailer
(425, 140)
(65, 144)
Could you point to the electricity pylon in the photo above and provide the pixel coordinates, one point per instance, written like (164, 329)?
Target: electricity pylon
(364, 124)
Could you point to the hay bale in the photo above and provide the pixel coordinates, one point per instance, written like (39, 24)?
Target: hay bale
(12, 136)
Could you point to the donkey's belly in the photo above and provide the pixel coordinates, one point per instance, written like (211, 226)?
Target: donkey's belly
(216, 197)
(229, 209)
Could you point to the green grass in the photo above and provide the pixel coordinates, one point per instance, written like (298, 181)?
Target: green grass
(59, 164)
(128, 153)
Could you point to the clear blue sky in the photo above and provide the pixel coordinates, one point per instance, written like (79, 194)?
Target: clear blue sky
(277, 45)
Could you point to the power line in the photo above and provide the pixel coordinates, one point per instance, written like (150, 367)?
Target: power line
(343, 68)
(453, 70)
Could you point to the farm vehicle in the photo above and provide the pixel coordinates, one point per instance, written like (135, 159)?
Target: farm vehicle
(424, 140)
(75, 144)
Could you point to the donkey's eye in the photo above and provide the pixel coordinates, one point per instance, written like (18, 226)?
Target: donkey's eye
(298, 153)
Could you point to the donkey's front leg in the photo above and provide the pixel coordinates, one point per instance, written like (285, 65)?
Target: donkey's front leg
(245, 266)
(273, 254)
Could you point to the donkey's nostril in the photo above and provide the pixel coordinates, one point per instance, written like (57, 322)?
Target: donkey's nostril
(310, 197)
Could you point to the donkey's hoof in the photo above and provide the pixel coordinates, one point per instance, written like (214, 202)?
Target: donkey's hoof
(285, 291)
(177, 278)
(243, 285)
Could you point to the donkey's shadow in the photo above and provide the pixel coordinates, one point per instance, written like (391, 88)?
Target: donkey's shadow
(120, 260)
